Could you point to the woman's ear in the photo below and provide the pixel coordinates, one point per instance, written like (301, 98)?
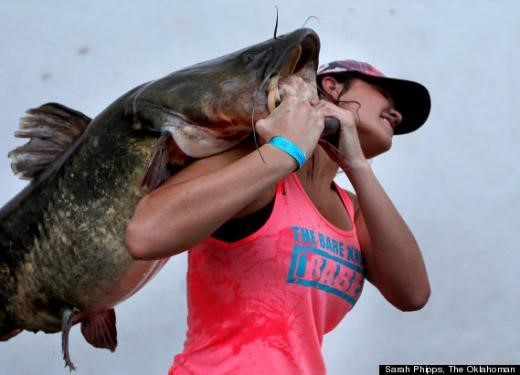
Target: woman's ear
(331, 87)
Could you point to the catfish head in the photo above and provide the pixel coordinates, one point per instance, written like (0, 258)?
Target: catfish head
(210, 107)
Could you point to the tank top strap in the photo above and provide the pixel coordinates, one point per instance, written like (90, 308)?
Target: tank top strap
(296, 191)
(347, 201)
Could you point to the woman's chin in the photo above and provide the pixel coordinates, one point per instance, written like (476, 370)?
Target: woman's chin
(378, 148)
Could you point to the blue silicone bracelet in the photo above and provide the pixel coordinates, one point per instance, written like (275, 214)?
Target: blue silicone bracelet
(286, 145)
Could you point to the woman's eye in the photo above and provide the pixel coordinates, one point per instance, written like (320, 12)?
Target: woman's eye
(387, 95)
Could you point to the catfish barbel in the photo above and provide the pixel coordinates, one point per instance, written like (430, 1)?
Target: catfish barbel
(62, 253)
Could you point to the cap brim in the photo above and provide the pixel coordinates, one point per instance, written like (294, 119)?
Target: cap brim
(411, 99)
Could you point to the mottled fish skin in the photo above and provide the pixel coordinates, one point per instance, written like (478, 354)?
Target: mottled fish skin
(62, 244)
(64, 236)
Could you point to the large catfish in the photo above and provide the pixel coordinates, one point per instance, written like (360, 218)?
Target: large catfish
(62, 253)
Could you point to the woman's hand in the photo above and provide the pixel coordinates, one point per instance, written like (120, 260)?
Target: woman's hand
(295, 118)
(349, 145)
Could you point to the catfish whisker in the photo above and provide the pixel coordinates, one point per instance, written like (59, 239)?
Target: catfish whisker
(276, 24)
(309, 18)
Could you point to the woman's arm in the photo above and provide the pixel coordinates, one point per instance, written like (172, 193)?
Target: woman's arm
(393, 261)
(193, 204)
(199, 199)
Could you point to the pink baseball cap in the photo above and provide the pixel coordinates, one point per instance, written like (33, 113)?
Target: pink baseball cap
(411, 98)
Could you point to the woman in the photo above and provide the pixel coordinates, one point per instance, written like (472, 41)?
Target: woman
(278, 258)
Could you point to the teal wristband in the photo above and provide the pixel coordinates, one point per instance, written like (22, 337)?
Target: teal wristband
(286, 145)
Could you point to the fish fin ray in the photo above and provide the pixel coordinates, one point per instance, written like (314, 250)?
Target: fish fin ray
(166, 160)
(51, 129)
(66, 324)
(100, 330)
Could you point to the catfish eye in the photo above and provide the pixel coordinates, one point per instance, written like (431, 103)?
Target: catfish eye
(249, 56)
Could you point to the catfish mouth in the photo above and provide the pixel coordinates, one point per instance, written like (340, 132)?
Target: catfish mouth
(301, 61)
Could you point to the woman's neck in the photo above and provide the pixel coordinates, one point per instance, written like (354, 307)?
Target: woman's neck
(319, 171)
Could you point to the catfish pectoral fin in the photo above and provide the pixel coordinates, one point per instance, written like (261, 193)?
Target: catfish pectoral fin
(100, 330)
(66, 325)
(167, 159)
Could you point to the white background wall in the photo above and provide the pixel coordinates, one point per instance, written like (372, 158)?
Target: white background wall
(456, 180)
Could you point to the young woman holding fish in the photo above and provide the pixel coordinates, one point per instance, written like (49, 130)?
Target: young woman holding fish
(277, 251)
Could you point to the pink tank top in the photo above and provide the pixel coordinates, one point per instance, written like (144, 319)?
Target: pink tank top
(261, 305)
